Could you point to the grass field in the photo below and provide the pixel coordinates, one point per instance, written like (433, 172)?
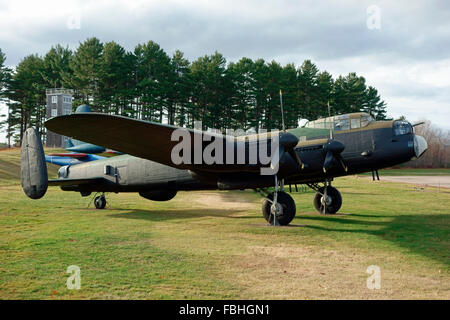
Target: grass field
(215, 245)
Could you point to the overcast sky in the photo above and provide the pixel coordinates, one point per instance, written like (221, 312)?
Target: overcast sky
(401, 47)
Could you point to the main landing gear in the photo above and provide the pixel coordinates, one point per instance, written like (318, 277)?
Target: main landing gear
(100, 202)
(278, 207)
(327, 200)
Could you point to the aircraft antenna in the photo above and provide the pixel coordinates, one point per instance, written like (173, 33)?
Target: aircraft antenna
(332, 123)
(282, 112)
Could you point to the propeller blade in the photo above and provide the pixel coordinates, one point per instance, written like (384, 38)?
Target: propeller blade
(341, 161)
(275, 162)
(287, 143)
(296, 157)
(329, 161)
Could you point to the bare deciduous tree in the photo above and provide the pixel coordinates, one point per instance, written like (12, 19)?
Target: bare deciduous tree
(438, 153)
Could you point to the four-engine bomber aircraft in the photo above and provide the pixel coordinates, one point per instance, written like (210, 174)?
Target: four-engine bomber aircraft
(312, 155)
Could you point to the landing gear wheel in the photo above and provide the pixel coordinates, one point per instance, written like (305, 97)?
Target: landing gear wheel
(333, 202)
(100, 202)
(285, 209)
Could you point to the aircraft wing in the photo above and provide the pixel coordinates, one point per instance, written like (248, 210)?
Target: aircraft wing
(153, 141)
(143, 139)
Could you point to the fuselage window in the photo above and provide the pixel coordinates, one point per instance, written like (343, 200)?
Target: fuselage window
(355, 123)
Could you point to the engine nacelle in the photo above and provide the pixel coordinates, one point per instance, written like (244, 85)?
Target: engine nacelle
(158, 195)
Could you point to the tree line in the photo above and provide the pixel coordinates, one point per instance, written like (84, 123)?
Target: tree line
(148, 84)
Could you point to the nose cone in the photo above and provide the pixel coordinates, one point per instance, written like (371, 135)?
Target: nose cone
(420, 145)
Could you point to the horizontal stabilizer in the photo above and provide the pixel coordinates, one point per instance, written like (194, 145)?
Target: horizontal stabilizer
(74, 182)
(71, 155)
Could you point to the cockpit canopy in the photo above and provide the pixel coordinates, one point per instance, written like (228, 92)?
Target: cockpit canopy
(342, 122)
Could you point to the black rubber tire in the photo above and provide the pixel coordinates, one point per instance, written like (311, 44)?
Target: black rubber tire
(289, 208)
(100, 202)
(336, 200)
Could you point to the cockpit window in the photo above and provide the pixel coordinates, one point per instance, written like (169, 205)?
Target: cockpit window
(342, 122)
(366, 119)
(402, 127)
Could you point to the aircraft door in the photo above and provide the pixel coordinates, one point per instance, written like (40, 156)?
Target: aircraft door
(366, 141)
(122, 174)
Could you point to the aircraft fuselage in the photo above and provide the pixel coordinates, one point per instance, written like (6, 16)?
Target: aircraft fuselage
(367, 149)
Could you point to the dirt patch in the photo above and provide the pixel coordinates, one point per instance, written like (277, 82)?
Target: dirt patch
(290, 272)
(224, 200)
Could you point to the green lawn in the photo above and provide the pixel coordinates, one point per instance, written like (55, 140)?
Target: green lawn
(215, 245)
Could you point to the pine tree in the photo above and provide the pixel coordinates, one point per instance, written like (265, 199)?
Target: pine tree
(86, 67)
(56, 66)
(243, 97)
(115, 76)
(289, 87)
(209, 95)
(307, 76)
(272, 112)
(261, 77)
(349, 93)
(26, 95)
(373, 104)
(153, 86)
(324, 94)
(5, 77)
(182, 90)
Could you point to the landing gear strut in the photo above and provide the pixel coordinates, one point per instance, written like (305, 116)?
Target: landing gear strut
(100, 202)
(278, 207)
(327, 200)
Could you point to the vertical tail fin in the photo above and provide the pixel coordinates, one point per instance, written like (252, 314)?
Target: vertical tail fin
(33, 168)
(69, 143)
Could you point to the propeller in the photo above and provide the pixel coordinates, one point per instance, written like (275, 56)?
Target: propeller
(287, 143)
(333, 149)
